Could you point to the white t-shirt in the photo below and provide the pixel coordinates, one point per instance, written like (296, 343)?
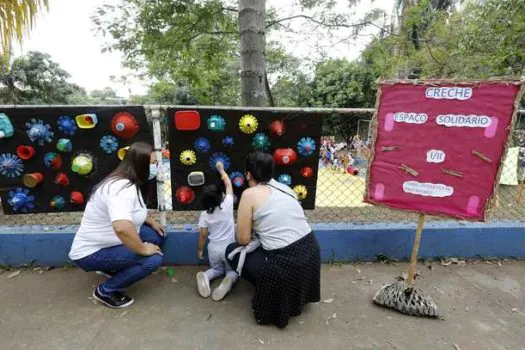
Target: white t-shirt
(114, 200)
(220, 224)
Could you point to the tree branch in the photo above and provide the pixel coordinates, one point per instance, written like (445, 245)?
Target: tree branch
(329, 25)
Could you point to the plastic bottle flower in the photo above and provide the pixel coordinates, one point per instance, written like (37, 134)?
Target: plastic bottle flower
(306, 146)
(228, 141)
(11, 165)
(188, 157)
(220, 157)
(261, 142)
(67, 125)
(20, 200)
(285, 179)
(301, 192)
(39, 132)
(216, 123)
(237, 179)
(202, 145)
(108, 143)
(248, 124)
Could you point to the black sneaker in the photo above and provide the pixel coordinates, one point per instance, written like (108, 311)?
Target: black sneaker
(115, 300)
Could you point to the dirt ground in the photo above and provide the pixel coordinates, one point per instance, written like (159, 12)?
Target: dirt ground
(482, 306)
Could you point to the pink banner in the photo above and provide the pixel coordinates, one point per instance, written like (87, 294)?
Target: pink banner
(439, 145)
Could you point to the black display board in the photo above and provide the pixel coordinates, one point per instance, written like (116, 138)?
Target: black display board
(82, 141)
(220, 127)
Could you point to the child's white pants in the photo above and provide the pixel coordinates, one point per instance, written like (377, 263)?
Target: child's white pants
(218, 264)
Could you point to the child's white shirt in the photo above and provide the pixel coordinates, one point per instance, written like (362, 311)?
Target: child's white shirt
(220, 224)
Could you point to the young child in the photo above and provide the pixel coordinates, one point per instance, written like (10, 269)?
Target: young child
(216, 224)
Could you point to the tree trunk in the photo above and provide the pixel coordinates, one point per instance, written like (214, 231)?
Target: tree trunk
(252, 15)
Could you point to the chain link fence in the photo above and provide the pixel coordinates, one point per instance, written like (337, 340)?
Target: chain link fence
(341, 185)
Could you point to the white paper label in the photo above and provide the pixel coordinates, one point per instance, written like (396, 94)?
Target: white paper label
(460, 120)
(449, 93)
(435, 156)
(410, 118)
(427, 189)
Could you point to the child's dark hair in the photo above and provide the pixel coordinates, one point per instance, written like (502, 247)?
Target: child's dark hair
(212, 197)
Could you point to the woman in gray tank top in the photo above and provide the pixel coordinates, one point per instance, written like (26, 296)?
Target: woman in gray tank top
(285, 268)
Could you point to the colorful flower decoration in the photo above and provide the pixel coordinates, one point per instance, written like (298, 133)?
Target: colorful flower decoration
(86, 121)
(82, 164)
(188, 157)
(76, 198)
(25, 152)
(108, 143)
(277, 128)
(20, 200)
(307, 171)
(11, 165)
(64, 145)
(285, 179)
(6, 128)
(216, 123)
(52, 160)
(248, 124)
(67, 125)
(202, 145)
(228, 141)
(219, 157)
(39, 132)
(306, 146)
(124, 125)
(301, 192)
(261, 142)
(184, 195)
(57, 202)
(237, 179)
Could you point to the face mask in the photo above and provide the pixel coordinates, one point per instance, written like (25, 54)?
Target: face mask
(152, 171)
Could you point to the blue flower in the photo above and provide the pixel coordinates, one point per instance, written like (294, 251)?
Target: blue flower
(20, 200)
(285, 179)
(108, 143)
(219, 157)
(228, 141)
(11, 165)
(39, 132)
(202, 145)
(306, 146)
(67, 125)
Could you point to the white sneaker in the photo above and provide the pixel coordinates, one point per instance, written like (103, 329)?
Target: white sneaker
(220, 292)
(203, 285)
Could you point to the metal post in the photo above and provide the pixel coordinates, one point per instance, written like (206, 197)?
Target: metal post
(157, 141)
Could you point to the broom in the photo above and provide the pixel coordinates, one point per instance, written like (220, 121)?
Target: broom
(401, 296)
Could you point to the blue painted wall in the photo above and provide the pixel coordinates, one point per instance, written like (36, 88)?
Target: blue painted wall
(49, 245)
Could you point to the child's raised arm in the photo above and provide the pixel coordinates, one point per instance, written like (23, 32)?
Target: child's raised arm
(225, 178)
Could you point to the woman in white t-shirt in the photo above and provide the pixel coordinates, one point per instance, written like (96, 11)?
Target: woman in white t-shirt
(115, 236)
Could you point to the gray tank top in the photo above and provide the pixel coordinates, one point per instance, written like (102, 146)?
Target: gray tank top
(280, 221)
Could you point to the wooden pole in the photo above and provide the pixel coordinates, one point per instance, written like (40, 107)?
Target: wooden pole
(415, 250)
(157, 140)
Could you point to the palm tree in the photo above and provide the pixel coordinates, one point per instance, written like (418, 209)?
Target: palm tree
(16, 18)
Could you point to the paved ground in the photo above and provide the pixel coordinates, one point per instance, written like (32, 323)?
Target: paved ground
(483, 307)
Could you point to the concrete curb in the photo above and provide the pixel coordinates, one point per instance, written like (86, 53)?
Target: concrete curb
(49, 245)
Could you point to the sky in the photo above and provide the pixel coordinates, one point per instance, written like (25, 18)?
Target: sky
(66, 32)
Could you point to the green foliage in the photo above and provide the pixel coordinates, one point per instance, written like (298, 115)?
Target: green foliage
(35, 79)
(340, 84)
(190, 42)
(482, 39)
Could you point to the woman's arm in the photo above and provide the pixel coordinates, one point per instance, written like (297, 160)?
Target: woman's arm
(202, 240)
(127, 233)
(244, 218)
(156, 226)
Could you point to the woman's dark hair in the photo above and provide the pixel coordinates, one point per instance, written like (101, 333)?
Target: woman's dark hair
(134, 167)
(260, 165)
(212, 197)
